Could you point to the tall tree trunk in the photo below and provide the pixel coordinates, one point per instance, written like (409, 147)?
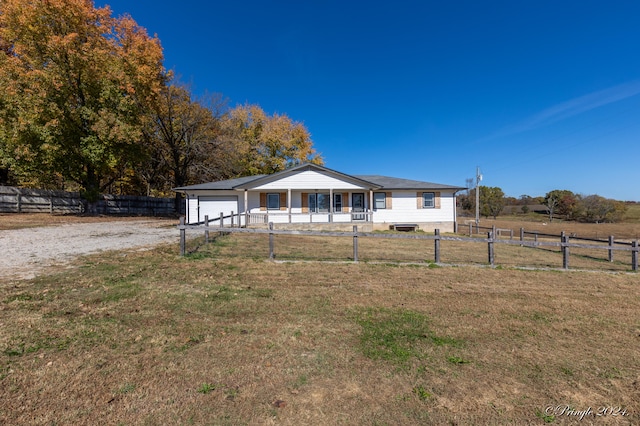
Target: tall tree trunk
(91, 193)
(178, 203)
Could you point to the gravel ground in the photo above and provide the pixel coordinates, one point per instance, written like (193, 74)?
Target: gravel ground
(31, 251)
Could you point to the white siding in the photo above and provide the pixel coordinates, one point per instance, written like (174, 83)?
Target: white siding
(310, 180)
(404, 208)
(212, 203)
(213, 206)
(254, 202)
(192, 209)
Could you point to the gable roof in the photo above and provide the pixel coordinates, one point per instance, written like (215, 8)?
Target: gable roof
(373, 182)
(306, 167)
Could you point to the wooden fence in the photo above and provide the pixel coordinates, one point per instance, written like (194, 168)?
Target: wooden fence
(536, 235)
(24, 200)
(491, 240)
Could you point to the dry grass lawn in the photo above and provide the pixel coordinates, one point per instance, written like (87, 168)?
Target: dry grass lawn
(31, 220)
(224, 336)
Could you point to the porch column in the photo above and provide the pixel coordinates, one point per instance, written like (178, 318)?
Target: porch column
(330, 205)
(246, 208)
(370, 205)
(289, 203)
(455, 213)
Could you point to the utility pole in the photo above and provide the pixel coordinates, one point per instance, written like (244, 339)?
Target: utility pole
(478, 179)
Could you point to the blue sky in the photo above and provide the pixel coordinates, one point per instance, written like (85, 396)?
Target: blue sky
(540, 95)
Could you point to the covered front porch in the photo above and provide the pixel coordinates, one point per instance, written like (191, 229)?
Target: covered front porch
(294, 208)
(306, 206)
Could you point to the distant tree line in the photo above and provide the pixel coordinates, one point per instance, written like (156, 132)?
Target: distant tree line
(558, 204)
(87, 105)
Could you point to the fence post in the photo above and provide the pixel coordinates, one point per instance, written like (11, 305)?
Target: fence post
(355, 243)
(272, 254)
(634, 255)
(232, 218)
(470, 229)
(437, 245)
(564, 241)
(521, 235)
(610, 248)
(183, 235)
(492, 258)
(206, 229)
(19, 201)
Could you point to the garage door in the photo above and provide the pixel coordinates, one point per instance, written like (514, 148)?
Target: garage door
(213, 206)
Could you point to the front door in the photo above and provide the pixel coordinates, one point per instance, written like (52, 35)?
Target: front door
(357, 205)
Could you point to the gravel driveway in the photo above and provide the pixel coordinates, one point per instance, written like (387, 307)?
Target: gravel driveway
(28, 252)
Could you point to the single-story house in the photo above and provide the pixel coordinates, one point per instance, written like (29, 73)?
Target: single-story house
(310, 196)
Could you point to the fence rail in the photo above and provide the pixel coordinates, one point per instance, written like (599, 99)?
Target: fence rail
(25, 200)
(472, 226)
(491, 240)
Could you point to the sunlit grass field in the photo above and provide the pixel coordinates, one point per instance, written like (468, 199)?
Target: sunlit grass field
(225, 336)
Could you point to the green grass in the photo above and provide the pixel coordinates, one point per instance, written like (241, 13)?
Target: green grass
(398, 336)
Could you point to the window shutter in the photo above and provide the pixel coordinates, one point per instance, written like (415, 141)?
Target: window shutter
(283, 201)
(389, 197)
(263, 201)
(305, 202)
(419, 198)
(437, 200)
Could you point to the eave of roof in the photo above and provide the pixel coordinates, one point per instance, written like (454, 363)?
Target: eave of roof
(228, 184)
(386, 182)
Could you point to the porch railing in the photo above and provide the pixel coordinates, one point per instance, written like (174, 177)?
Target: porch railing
(285, 217)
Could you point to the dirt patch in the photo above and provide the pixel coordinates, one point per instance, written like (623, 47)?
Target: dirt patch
(29, 251)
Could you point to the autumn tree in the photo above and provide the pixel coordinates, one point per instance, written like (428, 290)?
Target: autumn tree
(491, 201)
(75, 83)
(264, 144)
(183, 140)
(594, 208)
(561, 202)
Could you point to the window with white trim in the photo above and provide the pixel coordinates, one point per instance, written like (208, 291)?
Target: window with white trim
(428, 200)
(379, 200)
(319, 203)
(273, 201)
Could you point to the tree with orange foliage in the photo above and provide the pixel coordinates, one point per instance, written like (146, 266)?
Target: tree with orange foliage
(264, 144)
(75, 85)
